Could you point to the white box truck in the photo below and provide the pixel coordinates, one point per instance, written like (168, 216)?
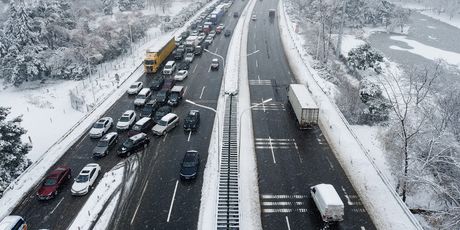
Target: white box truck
(303, 105)
(328, 202)
(191, 42)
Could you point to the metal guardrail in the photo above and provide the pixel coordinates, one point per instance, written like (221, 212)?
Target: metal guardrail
(382, 176)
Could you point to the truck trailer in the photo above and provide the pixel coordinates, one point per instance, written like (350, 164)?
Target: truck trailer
(303, 105)
(157, 54)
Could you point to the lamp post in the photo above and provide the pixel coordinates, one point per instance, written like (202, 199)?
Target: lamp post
(223, 63)
(241, 115)
(218, 128)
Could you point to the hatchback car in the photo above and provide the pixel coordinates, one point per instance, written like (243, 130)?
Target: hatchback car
(142, 126)
(53, 182)
(105, 144)
(166, 124)
(181, 75)
(189, 57)
(85, 179)
(133, 144)
(161, 112)
(126, 120)
(214, 64)
(192, 120)
(101, 127)
(135, 88)
(157, 83)
(190, 165)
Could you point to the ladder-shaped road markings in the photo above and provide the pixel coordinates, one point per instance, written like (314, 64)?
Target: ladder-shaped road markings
(269, 107)
(354, 202)
(260, 82)
(273, 143)
(283, 203)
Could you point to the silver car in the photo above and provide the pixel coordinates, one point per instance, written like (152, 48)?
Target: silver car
(167, 123)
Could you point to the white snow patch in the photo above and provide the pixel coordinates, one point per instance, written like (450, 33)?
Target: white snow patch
(426, 51)
(350, 42)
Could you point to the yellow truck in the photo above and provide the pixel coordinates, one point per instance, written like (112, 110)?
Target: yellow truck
(158, 53)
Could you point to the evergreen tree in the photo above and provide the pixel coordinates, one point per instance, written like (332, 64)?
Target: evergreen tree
(13, 160)
(108, 6)
(18, 27)
(364, 57)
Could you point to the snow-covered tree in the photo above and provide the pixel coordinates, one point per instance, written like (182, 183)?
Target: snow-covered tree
(18, 27)
(377, 107)
(13, 160)
(364, 57)
(125, 5)
(108, 6)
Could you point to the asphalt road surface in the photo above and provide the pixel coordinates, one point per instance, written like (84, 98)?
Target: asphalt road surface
(289, 161)
(157, 199)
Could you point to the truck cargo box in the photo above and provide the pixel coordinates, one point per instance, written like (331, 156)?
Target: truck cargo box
(303, 105)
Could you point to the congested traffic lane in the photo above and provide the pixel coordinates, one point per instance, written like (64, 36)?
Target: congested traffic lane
(289, 160)
(159, 199)
(162, 157)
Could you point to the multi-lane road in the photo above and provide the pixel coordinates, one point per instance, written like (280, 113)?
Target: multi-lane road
(289, 161)
(148, 203)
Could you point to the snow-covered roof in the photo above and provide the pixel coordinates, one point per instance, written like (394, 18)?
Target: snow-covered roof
(161, 42)
(328, 194)
(304, 97)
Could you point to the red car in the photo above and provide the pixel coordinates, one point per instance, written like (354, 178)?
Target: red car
(53, 182)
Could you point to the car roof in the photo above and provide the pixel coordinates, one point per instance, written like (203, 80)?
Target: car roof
(168, 116)
(89, 167)
(193, 112)
(169, 62)
(177, 88)
(138, 136)
(103, 119)
(9, 222)
(144, 91)
(58, 170)
(108, 136)
(128, 112)
(215, 60)
(143, 120)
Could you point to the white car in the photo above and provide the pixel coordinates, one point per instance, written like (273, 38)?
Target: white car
(85, 179)
(254, 17)
(126, 120)
(189, 57)
(212, 33)
(181, 75)
(101, 127)
(167, 123)
(135, 88)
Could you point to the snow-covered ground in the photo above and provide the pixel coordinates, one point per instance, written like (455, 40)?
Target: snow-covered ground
(54, 126)
(358, 160)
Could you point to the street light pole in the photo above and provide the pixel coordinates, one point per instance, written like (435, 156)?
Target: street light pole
(241, 115)
(218, 128)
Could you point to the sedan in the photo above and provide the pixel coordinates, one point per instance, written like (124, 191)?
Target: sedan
(85, 179)
(190, 165)
(126, 120)
(101, 127)
(209, 39)
(254, 17)
(53, 182)
(181, 75)
(189, 57)
(192, 120)
(157, 83)
(104, 145)
(184, 65)
(135, 88)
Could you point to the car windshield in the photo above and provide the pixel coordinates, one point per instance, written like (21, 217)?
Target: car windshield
(82, 178)
(133, 86)
(161, 94)
(128, 143)
(137, 128)
(147, 109)
(189, 55)
(174, 96)
(103, 143)
(189, 164)
(140, 97)
(189, 119)
(98, 125)
(124, 119)
(162, 123)
(50, 181)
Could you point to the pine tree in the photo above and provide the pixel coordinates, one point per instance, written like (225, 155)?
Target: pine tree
(18, 27)
(108, 6)
(13, 160)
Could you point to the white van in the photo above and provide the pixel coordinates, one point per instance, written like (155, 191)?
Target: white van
(143, 96)
(328, 202)
(169, 68)
(13, 223)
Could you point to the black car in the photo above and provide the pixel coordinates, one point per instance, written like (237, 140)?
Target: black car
(157, 83)
(192, 120)
(184, 66)
(185, 34)
(144, 125)
(179, 52)
(198, 50)
(150, 108)
(190, 165)
(162, 96)
(133, 144)
(161, 112)
(105, 144)
(227, 33)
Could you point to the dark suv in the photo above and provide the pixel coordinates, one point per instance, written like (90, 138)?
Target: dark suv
(157, 83)
(190, 165)
(163, 110)
(133, 144)
(150, 108)
(162, 96)
(192, 120)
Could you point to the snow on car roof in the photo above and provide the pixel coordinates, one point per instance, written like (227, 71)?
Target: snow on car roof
(168, 116)
(328, 194)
